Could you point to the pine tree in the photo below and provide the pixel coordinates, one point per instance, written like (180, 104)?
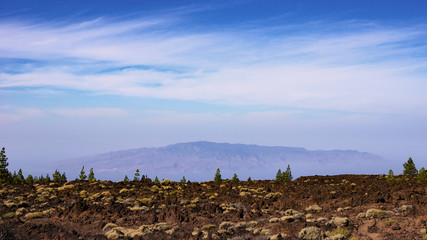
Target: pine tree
(183, 180)
(47, 179)
(235, 179)
(287, 175)
(156, 181)
(56, 176)
(4, 173)
(20, 176)
(279, 175)
(249, 179)
(136, 177)
(82, 175)
(91, 176)
(409, 168)
(217, 178)
(14, 178)
(144, 178)
(29, 179)
(422, 175)
(63, 177)
(126, 179)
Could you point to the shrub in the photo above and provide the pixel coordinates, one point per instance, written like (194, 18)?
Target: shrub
(389, 222)
(9, 215)
(376, 212)
(208, 226)
(34, 215)
(409, 168)
(341, 231)
(310, 233)
(390, 177)
(166, 181)
(314, 208)
(191, 205)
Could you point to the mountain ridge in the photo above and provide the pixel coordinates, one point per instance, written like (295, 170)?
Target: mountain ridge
(200, 159)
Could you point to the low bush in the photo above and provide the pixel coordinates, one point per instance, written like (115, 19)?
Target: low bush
(341, 231)
(389, 223)
(208, 226)
(9, 215)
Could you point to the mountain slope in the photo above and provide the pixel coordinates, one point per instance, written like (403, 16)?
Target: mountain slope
(199, 160)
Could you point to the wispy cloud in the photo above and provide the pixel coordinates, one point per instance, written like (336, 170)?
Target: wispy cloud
(13, 114)
(91, 112)
(364, 69)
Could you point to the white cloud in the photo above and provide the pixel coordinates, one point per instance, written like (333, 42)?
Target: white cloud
(13, 114)
(91, 112)
(362, 70)
(10, 114)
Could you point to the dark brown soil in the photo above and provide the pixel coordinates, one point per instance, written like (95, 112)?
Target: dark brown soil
(245, 210)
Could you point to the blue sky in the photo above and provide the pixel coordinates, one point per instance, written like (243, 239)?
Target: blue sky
(86, 77)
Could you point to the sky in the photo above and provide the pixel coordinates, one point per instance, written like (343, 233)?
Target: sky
(85, 77)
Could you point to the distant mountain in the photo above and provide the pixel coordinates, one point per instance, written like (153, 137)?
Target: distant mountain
(199, 161)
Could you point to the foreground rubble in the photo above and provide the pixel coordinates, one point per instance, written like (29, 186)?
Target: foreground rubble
(316, 207)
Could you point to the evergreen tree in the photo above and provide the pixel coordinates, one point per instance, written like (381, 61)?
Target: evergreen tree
(136, 177)
(42, 179)
(183, 180)
(47, 179)
(4, 173)
(279, 175)
(287, 175)
(217, 178)
(126, 179)
(63, 177)
(82, 175)
(249, 179)
(235, 179)
(91, 176)
(156, 181)
(14, 178)
(29, 179)
(144, 178)
(56, 176)
(409, 168)
(422, 175)
(20, 176)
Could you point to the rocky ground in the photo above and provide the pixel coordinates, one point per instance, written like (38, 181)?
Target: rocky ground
(316, 207)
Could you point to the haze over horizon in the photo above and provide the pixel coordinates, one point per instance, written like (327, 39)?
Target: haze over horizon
(79, 78)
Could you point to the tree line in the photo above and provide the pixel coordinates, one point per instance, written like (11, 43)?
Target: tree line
(18, 177)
